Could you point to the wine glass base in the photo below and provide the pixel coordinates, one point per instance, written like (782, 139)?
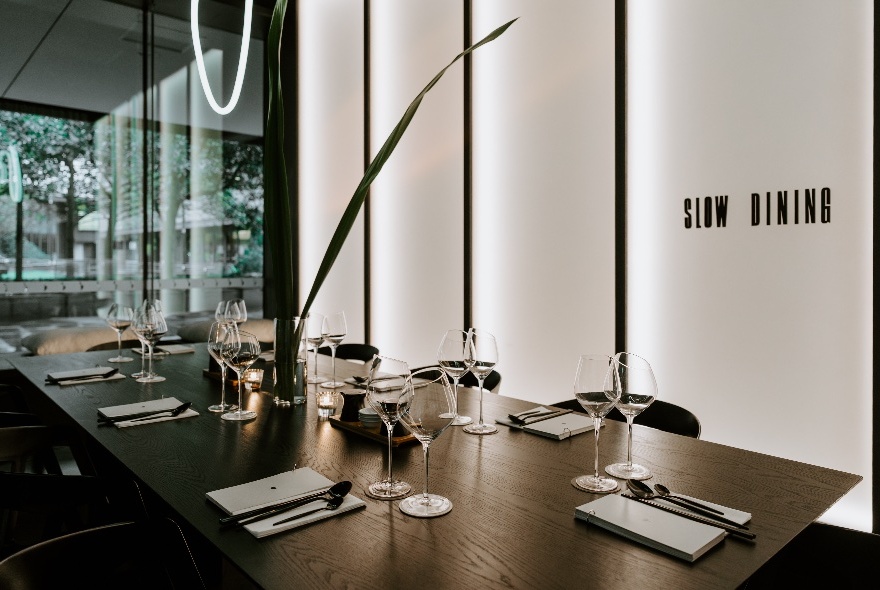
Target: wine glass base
(462, 420)
(624, 471)
(120, 359)
(596, 485)
(422, 506)
(480, 429)
(332, 384)
(150, 379)
(222, 408)
(240, 415)
(315, 379)
(385, 490)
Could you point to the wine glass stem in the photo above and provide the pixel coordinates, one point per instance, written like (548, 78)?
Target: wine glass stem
(629, 442)
(390, 428)
(143, 358)
(150, 360)
(240, 387)
(222, 384)
(480, 379)
(316, 360)
(333, 356)
(597, 424)
(425, 447)
(118, 343)
(455, 389)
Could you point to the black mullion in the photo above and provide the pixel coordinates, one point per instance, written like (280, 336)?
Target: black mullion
(620, 174)
(468, 276)
(367, 130)
(145, 73)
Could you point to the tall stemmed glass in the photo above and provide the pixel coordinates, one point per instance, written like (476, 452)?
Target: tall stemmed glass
(149, 326)
(119, 317)
(155, 304)
(452, 357)
(389, 391)
(220, 311)
(334, 332)
(597, 389)
(431, 410)
(216, 337)
(315, 338)
(240, 350)
(481, 360)
(638, 389)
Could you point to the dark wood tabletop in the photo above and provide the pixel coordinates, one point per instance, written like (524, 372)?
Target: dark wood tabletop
(512, 524)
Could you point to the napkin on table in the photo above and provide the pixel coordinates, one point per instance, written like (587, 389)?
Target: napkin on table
(156, 405)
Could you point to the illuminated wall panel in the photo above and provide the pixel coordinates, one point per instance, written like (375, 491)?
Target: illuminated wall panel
(761, 326)
(544, 189)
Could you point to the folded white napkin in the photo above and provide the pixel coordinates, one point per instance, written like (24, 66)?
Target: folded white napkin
(92, 380)
(156, 405)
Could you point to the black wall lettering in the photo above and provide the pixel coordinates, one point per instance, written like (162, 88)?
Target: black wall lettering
(810, 205)
(721, 211)
(688, 222)
(782, 208)
(707, 211)
(756, 208)
(826, 205)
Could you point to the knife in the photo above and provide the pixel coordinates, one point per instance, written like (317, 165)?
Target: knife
(145, 415)
(705, 520)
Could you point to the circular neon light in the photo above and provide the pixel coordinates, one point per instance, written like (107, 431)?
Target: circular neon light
(242, 57)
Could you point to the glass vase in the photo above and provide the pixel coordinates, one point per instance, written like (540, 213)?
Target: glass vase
(291, 374)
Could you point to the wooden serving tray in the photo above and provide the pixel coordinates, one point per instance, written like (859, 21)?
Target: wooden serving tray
(371, 432)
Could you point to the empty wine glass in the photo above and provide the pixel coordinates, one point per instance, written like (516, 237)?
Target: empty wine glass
(452, 357)
(389, 390)
(315, 338)
(334, 332)
(216, 337)
(481, 359)
(240, 350)
(149, 326)
(236, 311)
(119, 317)
(431, 410)
(220, 311)
(597, 389)
(157, 305)
(638, 389)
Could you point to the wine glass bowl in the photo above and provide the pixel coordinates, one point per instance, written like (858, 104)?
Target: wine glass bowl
(482, 355)
(597, 390)
(216, 337)
(149, 326)
(334, 331)
(389, 392)
(236, 311)
(239, 351)
(638, 389)
(315, 338)
(452, 358)
(430, 410)
(119, 317)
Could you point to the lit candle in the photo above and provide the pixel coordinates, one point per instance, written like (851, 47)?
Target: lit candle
(326, 402)
(253, 379)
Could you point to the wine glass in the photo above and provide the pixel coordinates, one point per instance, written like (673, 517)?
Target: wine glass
(334, 330)
(220, 310)
(638, 389)
(236, 311)
(431, 410)
(482, 354)
(155, 304)
(389, 390)
(597, 389)
(240, 350)
(315, 338)
(149, 326)
(216, 337)
(119, 317)
(452, 357)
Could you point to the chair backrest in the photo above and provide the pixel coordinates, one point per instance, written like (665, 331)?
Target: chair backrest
(352, 351)
(18, 444)
(661, 415)
(490, 383)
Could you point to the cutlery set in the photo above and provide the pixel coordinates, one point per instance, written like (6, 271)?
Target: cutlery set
(144, 416)
(334, 496)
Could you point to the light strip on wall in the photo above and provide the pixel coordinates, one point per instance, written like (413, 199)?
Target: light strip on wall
(242, 57)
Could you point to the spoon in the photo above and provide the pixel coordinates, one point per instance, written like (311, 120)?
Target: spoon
(663, 491)
(643, 491)
(333, 504)
(147, 415)
(338, 490)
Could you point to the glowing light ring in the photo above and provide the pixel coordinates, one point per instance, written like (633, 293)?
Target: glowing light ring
(242, 57)
(10, 173)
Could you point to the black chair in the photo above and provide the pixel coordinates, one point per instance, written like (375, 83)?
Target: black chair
(490, 383)
(352, 351)
(151, 554)
(822, 556)
(660, 415)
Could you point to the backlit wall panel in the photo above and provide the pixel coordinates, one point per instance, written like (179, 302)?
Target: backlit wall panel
(417, 200)
(331, 153)
(761, 324)
(544, 189)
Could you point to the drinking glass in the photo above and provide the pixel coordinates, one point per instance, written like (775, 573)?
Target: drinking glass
(431, 410)
(216, 337)
(389, 391)
(452, 357)
(119, 317)
(334, 331)
(597, 389)
(146, 303)
(240, 350)
(220, 311)
(315, 338)
(236, 311)
(638, 389)
(482, 355)
(149, 326)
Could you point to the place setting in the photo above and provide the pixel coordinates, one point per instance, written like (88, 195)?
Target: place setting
(147, 412)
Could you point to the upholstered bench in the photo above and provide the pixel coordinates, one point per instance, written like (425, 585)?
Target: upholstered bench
(198, 331)
(67, 340)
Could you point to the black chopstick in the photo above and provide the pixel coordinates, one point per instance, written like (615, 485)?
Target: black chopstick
(705, 520)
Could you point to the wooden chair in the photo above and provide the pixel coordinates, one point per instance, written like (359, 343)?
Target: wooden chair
(661, 415)
(352, 351)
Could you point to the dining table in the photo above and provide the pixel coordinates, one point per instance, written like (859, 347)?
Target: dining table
(512, 524)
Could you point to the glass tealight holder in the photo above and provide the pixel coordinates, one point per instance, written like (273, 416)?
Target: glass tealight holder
(326, 401)
(253, 379)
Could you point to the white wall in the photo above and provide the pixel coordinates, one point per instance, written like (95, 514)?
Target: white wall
(763, 331)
